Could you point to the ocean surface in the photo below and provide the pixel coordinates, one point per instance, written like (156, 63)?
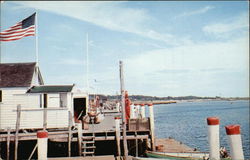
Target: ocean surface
(186, 122)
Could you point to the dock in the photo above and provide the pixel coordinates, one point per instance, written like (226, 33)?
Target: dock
(172, 145)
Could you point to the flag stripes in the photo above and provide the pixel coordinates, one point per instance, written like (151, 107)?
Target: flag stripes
(21, 29)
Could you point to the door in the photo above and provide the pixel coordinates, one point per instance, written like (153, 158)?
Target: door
(79, 108)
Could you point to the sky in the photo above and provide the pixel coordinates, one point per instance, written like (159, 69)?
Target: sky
(168, 48)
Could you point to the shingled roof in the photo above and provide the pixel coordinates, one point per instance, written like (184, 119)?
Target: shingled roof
(16, 74)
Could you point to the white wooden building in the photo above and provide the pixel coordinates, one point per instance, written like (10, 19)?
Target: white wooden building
(22, 84)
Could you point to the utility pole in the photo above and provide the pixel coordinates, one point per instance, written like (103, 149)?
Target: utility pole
(125, 146)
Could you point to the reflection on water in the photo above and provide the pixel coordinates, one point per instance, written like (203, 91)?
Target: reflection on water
(186, 122)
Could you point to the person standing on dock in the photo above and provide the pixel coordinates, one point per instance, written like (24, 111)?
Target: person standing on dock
(127, 106)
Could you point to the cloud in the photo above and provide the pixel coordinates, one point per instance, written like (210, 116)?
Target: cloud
(234, 24)
(110, 15)
(193, 56)
(190, 66)
(196, 12)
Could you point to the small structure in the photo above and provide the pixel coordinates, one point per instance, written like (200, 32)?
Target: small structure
(42, 106)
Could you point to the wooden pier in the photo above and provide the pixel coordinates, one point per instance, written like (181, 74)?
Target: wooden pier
(172, 145)
(98, 134)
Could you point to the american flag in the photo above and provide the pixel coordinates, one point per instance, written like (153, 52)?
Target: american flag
(22, 29)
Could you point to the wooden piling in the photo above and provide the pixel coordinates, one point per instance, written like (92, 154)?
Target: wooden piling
(117, 135)
(8, 143)
(17, 129)
(125, 145)
(70, 134)
(152, 126)
(79, 131)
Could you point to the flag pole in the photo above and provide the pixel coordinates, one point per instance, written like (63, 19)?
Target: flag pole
(36, 22)
(87, 61)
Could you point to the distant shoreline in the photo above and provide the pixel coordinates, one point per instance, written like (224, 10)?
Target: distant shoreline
(183, 101)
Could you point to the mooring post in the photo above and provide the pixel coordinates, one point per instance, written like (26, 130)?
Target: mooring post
(8, 143)
(213, 138)
(79, 131)
(70, 134)
(152, 125)
(42, 144)
(17, 129)
(125, 145)
(234, 138)
(117, 135)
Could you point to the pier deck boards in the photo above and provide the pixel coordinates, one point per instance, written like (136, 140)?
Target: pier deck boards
(172, 145)
(108, 124)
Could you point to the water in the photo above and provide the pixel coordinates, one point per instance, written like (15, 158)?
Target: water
(186, 122)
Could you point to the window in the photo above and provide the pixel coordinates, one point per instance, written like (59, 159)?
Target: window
(63, 100)
(0, 95)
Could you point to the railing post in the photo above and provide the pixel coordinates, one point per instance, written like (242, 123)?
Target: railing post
(70, 133)
(8, 143)
(17, 129)
(79, 131)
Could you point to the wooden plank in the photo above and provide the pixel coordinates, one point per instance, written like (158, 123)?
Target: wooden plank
(8, 143)
(33, 152)
(17, 129)
(64, 135)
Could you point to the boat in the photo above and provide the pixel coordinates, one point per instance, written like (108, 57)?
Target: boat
(175, 155)
(181, 156)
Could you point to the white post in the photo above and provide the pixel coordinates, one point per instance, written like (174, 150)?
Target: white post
(213, 138)
(132, 111)
(42, 141)
(234, 138)
(152, 125)
(118, 134)
(142, 111)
